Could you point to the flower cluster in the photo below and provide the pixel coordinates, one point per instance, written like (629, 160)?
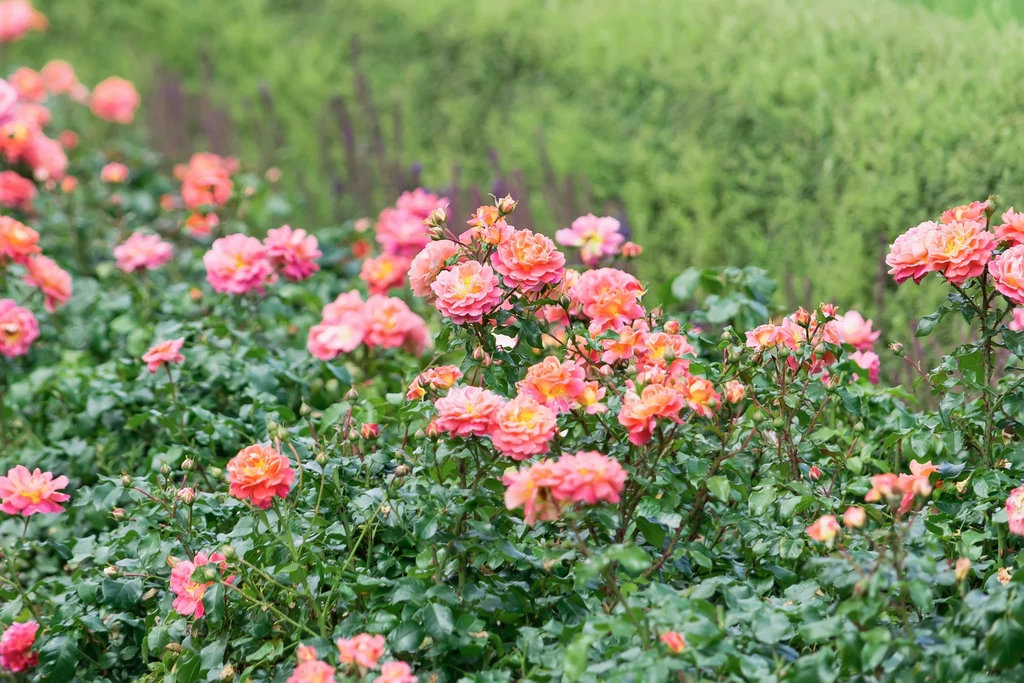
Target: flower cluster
(378, 322)
(188, 591)
(238, 264)
(544, 488)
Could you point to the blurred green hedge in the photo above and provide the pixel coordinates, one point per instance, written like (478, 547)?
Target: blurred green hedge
(800, 135)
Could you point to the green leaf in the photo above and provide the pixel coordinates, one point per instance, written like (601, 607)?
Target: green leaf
(1004, 643)
(719, 487)
(925, 325)
(761, 499)
(58, 658)
(631, 558)
(574, 663)
(437, 620)
(686, 283)
(213, 603)
(122, 595)
(189, 668)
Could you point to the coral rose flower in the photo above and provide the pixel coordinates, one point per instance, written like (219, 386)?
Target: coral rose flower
(384, 273)
(735, 391)
(763, 337)
(1007, 271)
(908, 254)
(142, 252)
(29, 83)
(16, 642)
(673, 641)
(883, 486)
(609, 298)
(639, 412)
(189, 593)
(975, 211)
(701, 396)
(17, 18)
(165, 352)
(854, 517)
(59, 76)
(428, 264)
(420, 203)
(396, 672)
(523, 427)
(238, 264)
(627, 343)
(16, 192)
(590, 398)
(18, 329)
(199, 225)
(824, 529)
(362, 650)
(206, 186)
(960, 250)
(1015, 511)
(51, 279)
(589, 477)
(26, 493)
(47, 158)
(554, 383)
(466, 292)
(312, 671)
(529, 261)
(597, 238)
(115, 100)
(327, 340)
(467, 411)
(294, 252)
(114, 172)
(401, 230)
(259, 474)
(530, 488)
(856, 331)
(18, 242)
(1012, 228)
(390, 325)
(342, 308)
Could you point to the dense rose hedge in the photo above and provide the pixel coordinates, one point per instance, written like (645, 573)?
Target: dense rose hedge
(441, 448)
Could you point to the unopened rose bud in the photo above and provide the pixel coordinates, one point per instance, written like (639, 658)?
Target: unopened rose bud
(361, 225)
(208, 572)
(351, 394)
(631, 250)
(304, 410)
(229, 552)
(119, 514)
(111, 572)
(854, 517)
(187, 495)
(273, 174)
(216, 472)
(369, 430)
(433, 431)
(815, 473)
(507, 205)
(897, 348)
(437, 218)
(165, 469)
(859, 427)
(963, 568)
(126, 479)
(479, 353)
(321, 458)
(352, 435)
(672, 327)
(187, 464)
(282, 433)
(402, 471)
(195, 293)
(332, 385)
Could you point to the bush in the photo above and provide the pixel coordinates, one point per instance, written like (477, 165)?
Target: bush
(425, 449)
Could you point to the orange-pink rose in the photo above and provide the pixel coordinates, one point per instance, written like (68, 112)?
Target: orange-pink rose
(1007, 270)
(115, 100)
(466, 292)
(523, 427)
(529, 261)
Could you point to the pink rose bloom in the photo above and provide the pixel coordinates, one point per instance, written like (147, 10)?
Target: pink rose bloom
(960, 250)
(396, 672)
(466, 292)
(16, 647)
(597, 238)
(29, 84)
(1017, 321)
(824, 529)
(8, 101)
(341, 309)
(114, 172)
(467, 411)
(312, 671)
(1007, 271)
(17, 18)
(327, 340)
(238, 264)
(908, 254)
(589, 477)
(189, 600)
(389, 322)
(258, 474)
(854, 517)
(362, 650)
(164, 352)
(735, 391)
(529, 261)
(523, 427)
(975, 211)
(609, 298)
(1012, 229)
(856, 331)
(18, 329)
(206, 184)
(26, 493)
(384, 273)
(1015, 511)
(420, 203)
(47, 158)
(554, 383)
(293, 251)
(401, 233)
(59, 76)
(16, 192)
(425, 268)
(701, 396)
(639, 411)
(763, 337)
(115, 100)
(868, 360)
(142, 252)
(51, 279)
(531, 488)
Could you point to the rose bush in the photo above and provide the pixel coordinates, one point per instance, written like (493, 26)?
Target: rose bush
(437, 449)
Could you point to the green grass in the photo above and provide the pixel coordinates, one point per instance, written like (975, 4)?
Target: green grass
(801, 135)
